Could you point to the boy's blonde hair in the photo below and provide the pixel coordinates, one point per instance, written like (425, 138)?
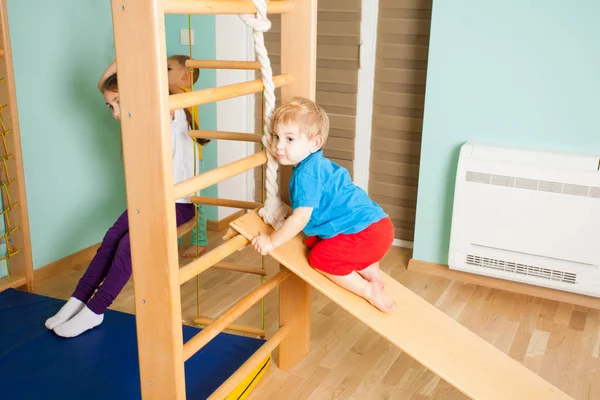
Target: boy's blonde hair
(310, 117)
(181, 59)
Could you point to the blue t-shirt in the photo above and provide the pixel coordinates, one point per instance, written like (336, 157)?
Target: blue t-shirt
(339, 205)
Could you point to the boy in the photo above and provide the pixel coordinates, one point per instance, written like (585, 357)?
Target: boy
(182, 79)
(347, 232)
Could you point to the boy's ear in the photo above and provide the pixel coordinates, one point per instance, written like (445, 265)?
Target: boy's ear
(317, 142)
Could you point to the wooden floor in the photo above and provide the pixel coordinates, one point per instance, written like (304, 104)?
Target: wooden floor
(558, 341)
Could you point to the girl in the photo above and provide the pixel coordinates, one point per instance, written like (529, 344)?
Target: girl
(182, 80)
(110, 269)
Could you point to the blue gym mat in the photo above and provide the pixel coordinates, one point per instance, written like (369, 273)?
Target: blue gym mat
(101, 363)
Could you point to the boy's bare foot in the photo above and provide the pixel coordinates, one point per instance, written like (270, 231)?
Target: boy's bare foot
(374, 294)
(191, 252)
(372, 274)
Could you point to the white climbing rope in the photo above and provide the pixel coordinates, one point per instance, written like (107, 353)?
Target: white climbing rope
(274, 210)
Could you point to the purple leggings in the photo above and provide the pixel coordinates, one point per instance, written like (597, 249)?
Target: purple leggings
(112, 263)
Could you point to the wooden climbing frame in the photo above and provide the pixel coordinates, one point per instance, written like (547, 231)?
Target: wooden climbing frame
(151, 193)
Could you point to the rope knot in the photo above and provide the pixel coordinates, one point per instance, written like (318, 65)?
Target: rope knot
(274, 212)
(257, 24)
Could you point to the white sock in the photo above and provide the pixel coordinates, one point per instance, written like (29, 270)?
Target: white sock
(83, 321)
(72, 307)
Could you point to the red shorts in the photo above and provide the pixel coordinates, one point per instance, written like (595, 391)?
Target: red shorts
(342, 254)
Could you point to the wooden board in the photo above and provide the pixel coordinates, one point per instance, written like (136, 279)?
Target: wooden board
(437, 341)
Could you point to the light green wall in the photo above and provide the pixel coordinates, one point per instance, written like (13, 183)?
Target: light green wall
(71, 144)
(505, 72)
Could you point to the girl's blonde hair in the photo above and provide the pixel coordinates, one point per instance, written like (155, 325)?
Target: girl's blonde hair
(310, 117)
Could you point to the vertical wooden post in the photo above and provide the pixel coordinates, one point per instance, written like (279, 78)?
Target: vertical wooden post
(139, 31)
(298, 58)
(294, 311)
(21, 264)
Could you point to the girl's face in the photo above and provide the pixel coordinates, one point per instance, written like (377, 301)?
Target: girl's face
(112, 102)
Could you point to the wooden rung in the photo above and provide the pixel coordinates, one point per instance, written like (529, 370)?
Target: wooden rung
(214, 201)
(250, 330)
(185, 228)
(224, 7)
(212, 330)
(209, 259)
(242, 137)
(204, 96)
(246, 369)
(221, 64)
(2, 53)
(14, 283)
(216, 175)
(230, 233)
(240, 268)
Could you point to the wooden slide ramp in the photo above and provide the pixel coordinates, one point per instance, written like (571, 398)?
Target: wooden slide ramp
(457, 355)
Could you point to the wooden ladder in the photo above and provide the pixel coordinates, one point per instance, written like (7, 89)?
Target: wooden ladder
(139, 31)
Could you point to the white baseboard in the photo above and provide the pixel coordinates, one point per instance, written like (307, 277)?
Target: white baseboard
(402, 243)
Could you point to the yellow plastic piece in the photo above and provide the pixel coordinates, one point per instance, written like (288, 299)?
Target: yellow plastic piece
(247, 385)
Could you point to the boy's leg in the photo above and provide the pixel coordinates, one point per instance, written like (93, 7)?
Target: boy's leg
(94, 275)
(377, 239)
(198, 235)
(372, 274)
(371, 291)
(334, 257)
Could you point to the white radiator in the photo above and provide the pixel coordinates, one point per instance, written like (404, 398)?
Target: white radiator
(528, 216)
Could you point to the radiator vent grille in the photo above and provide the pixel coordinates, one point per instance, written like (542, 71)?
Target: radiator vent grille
(522, 269)
(534, 184)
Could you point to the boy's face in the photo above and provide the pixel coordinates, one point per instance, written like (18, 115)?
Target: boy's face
(291, 146)
(178, 74)
(112, 101)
